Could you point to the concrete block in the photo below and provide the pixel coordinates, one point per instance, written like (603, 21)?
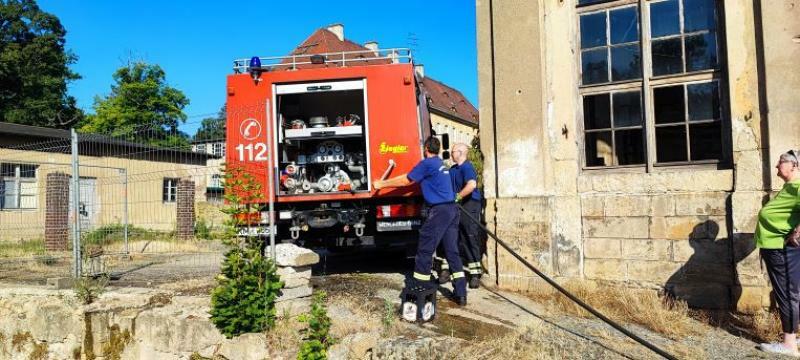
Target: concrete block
(604, 269)
(301, 271)
(696, 180)
(653, 271)
(293, 255)
(706, 296)
(584, 183)
(295, 293)
(294, 282)
(750, 299)
(602, 248)
(592, 206)
(647, 249)
(749, 173)
(703, 250)
(679, 227)
(60, 283)
(616, 227)
(627, 205)
(745, 207)
(708, 203)
(662, 205)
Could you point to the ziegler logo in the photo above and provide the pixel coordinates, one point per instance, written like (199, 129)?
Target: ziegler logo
(393, 149)
(250, 129)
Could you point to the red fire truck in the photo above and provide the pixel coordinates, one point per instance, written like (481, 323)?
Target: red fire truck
(316, 130)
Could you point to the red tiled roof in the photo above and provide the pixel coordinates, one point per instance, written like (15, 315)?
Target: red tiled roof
(441, 97)
(448, 100)
(324, 41)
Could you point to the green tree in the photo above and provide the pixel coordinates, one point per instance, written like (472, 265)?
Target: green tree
(212, 128)
(141, 107)
(34, 67)
(244, 299)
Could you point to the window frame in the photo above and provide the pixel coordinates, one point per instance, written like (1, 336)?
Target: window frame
(18, 180)
(168, 196)
(648, 82)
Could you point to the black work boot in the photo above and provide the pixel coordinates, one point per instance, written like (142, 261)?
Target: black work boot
(474, 282)
(444, 276)
(461, 300)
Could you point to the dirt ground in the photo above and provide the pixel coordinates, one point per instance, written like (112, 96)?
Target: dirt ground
(364, 292)
(493, 318)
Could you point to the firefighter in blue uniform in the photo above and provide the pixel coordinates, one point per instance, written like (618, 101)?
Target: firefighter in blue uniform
(465, 184)
(441, 224)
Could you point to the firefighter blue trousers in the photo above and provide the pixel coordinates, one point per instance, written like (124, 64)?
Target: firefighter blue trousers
(441, 225)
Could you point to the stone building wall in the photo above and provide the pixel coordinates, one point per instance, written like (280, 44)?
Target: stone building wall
(684, 229)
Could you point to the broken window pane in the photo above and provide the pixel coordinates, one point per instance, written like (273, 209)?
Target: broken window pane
(596, 112)
(624, 25)
(668, 104)
(671, 143)
(703, 101)
(593, 30)
(598, 149)
(627, 109)
(701, 52)
(705, 141)
(595, 66)
(698, 15)
(664, 18)
(667, 58)
(626, 63)
(630, 146)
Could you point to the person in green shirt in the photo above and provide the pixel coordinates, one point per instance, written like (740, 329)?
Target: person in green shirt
(776, 236)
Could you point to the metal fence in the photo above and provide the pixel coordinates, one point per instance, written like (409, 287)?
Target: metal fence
(140, 205)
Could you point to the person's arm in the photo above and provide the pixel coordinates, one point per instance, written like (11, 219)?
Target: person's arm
(397, 181)
(467, 189)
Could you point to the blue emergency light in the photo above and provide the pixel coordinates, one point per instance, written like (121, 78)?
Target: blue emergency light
(255, 68)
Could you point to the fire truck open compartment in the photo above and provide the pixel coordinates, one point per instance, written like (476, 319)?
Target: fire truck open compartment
(322, 137)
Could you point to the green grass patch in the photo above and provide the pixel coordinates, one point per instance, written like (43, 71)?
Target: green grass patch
(22, 248)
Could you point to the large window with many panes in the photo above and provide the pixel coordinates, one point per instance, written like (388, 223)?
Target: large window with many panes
(651, 83)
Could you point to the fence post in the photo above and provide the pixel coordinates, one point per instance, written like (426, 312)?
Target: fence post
(76, 198)
(125, 211)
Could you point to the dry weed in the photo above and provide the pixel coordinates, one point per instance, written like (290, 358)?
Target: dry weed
(367, 316)
(637, 306)
(285, 337)
(766, 326)
(537, 341)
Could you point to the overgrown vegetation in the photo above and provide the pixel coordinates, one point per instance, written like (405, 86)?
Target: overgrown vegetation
(475, 156)
(117, 341)
(388, 316)
(19, 340)
(39, 351)
(317, 335)
(203, 230)
(638, 306)
(87, 289)
(244, 299)
(22, 248)
(115, 233)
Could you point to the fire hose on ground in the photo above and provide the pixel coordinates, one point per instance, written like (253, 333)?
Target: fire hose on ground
(569, 295)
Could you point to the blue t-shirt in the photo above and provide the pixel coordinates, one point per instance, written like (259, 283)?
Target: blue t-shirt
(460, 174)
(434, 178)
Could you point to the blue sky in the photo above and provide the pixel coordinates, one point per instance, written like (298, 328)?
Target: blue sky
(196, 41)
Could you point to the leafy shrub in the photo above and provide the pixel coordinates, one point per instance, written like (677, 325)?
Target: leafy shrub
(317, 339)
(202, 230)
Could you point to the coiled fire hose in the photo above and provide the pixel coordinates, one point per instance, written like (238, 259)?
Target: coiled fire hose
(569, 295)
